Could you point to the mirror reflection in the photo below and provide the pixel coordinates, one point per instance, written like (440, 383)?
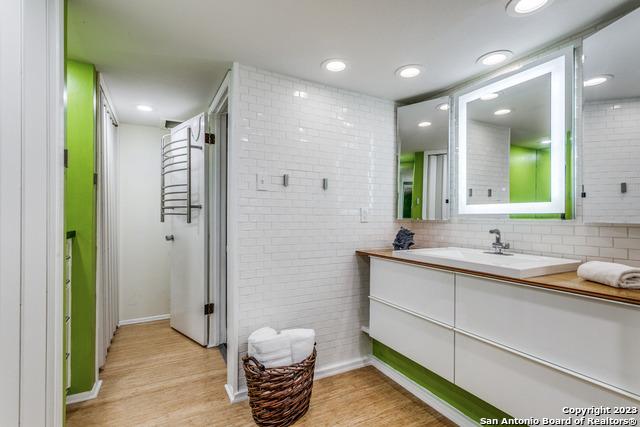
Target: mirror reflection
(509, 144)
(611, 117)
(423, 183)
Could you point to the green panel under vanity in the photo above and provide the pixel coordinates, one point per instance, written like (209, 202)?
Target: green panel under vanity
(470, 405)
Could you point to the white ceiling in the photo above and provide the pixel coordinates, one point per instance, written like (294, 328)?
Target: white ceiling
(173, 54)
(614, 50)
(414, 138)
(530, 105)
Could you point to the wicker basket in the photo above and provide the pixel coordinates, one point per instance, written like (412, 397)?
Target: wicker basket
(279, 396)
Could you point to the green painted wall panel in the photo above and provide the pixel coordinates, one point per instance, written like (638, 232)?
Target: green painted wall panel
(522, 173)
(416, 199)
(520, 169)
(80, 215)
(467, 403)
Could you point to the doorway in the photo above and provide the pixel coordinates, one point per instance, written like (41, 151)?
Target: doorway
(218, 184)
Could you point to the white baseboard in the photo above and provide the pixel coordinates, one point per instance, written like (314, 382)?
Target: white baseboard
(235, 397)
(323, 372)
(144, 319)
(423, 394)
(85, 395)
(341, 367)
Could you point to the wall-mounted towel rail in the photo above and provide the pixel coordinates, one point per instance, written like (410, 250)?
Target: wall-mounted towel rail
(173, 161)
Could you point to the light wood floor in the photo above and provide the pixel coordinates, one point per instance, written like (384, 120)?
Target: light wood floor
(156, 377)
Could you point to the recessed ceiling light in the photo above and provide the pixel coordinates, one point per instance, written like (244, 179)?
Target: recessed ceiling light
(597, 80)
(489, 96)
(334, 65)
(443, 107)
(502, 112)
(526, 7)
(409, 71)
(424, 124)
(495, 57)
(144, 108)
(545, 141)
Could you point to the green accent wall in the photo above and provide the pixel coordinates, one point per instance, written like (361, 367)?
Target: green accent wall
(416, 197)
(467, 403)
(530, 178)
(80, 215)
(529, 174)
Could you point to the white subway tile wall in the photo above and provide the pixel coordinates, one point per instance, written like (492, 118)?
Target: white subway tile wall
(487, 163)
(297, 262)
(611, 153)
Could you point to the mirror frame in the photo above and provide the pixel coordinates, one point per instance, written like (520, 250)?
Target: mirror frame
(555, 67)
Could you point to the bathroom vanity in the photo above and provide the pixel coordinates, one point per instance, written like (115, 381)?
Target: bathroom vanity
(528, 346)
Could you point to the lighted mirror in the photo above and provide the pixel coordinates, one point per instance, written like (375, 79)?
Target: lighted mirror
(512, 137)
(423, 165)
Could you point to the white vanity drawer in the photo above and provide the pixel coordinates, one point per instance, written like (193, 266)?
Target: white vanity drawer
(423, 290)
(422, 341)
(524, 388)
(597, 339)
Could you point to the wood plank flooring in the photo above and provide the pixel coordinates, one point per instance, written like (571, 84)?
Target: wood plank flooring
(154, 376)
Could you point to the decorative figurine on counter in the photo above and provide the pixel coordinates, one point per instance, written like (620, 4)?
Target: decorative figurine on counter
(404, 239)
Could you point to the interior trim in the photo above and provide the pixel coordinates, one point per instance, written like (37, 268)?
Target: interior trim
(85, 395)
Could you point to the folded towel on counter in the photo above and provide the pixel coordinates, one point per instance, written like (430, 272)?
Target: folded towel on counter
(258, 335)
(302, 342)
(612, 274)
(271, 350)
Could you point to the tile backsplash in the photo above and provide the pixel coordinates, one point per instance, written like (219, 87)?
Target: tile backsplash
(565, 239)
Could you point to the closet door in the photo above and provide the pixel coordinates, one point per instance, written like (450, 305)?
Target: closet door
(183, 185)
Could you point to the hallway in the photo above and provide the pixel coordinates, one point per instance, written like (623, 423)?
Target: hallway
(156, 377)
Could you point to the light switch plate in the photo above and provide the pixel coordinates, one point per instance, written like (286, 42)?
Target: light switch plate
(261, 182)
(364, 214)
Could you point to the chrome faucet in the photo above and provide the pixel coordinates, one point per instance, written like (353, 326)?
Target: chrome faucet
(498, 246)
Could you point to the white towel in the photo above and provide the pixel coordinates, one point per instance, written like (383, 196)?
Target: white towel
(612, 274)
(259, 334)
(302, 341)
(271, 350)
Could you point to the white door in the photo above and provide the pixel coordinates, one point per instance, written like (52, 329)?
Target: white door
(183, 184)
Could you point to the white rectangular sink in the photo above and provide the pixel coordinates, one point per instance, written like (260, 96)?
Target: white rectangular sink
(519, 266)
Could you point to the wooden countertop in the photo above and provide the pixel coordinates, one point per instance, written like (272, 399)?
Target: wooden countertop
(565, 282)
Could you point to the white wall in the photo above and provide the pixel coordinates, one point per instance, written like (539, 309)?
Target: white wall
(297, 244)
(143, 253)
(611, 153)
(488, 162)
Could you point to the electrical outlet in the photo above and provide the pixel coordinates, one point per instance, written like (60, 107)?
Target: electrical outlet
(364, 214)
(261, 182)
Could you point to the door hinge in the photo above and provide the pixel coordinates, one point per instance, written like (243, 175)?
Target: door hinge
(95, 179)
(209, 138)
(66, 158)
(208, 309)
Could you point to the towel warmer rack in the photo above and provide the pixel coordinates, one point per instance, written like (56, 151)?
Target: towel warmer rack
(174, 161)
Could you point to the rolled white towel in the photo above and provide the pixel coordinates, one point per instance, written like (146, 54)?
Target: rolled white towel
(302, 342)
(271, 350)
(612, 274)
(258, 335)
(276, 363)
(264, 346)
